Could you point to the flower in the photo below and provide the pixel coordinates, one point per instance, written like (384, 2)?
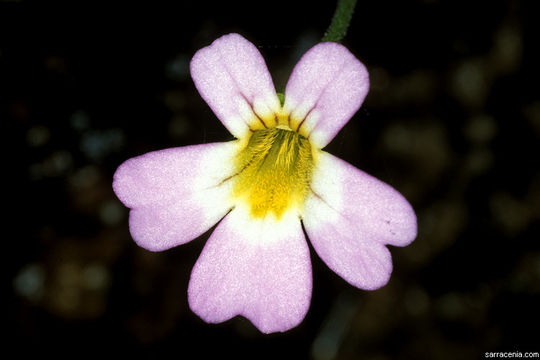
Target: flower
(264, 184)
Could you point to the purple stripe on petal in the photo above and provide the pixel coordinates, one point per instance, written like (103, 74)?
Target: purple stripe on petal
(233, 79)
(325, 89)
(259, 269)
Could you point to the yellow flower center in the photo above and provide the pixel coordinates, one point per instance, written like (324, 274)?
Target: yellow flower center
(273, 171)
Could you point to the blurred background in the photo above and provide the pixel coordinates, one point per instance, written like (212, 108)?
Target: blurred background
(452, 121)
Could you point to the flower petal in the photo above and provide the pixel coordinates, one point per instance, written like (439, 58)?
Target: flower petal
(259, 269)
(350, 216)
(175, 194)
(233, 79)
(325, 89)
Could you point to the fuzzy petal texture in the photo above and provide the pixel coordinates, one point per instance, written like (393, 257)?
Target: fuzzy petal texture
(325, 89)
(176, 194)
(233, 79)
(259, 269)
(350, 216)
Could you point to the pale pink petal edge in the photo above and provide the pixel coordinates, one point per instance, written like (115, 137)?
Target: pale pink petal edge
(260, 270)
(326, 88)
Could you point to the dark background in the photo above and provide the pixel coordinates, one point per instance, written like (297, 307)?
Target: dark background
(452, 121)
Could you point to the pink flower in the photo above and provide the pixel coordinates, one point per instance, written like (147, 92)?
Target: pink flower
(264, 184)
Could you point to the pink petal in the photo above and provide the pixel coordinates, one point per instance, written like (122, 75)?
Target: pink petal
(259, 269)
(233, 79)
(349, 218)
(326, 88)
(175, 194)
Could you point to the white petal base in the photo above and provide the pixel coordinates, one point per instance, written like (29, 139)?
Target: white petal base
(259, 269)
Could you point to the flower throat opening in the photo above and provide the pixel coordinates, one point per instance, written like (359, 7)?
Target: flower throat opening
(273, 171)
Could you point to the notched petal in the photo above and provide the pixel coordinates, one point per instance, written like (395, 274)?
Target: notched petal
(351, 216)
(175, 194)
(259, 269)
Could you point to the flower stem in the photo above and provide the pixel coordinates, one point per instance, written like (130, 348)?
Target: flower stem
(340, 21)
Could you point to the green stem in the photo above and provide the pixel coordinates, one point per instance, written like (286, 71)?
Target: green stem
(340, 21)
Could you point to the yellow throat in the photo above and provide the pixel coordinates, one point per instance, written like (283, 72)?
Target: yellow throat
(273, 171)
